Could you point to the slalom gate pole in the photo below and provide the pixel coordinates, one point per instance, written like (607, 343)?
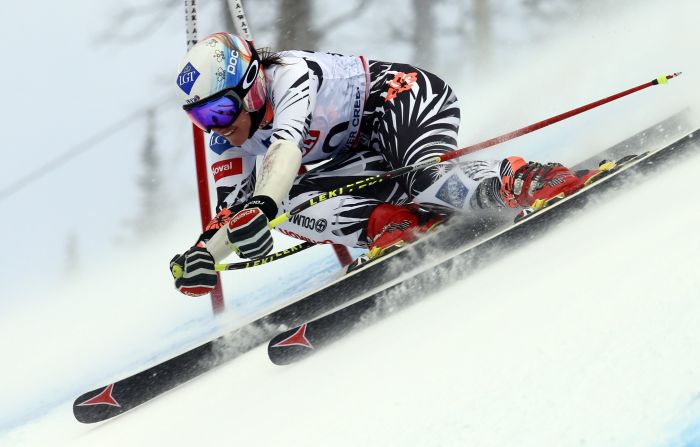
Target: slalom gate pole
(217, 294)
(368, 182)
(240, 24)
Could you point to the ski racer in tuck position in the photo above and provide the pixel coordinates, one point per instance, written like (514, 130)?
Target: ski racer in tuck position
(363, 118)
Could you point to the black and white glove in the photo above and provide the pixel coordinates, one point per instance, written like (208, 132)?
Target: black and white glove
(194, 272)
(248, 230)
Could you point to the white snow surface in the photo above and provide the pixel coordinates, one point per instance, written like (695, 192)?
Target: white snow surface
(586, 336)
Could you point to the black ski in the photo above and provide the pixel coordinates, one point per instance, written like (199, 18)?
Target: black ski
(107, 401)
(301, 341)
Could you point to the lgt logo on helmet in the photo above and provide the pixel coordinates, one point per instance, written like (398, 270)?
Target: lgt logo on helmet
(186, 78)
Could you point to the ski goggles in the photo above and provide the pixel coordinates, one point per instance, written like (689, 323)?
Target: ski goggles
(219, 110)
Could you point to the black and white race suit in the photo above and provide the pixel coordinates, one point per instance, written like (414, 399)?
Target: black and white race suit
(357, 119)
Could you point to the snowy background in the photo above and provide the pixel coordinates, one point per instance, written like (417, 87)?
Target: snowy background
(606, 354)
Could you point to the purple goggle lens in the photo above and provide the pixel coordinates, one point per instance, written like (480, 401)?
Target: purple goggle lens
(217, 112)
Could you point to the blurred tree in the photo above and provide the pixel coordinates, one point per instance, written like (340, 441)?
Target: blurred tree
(424, 32)
(548, 10)
(72, 258)
(483, 38)
(297, 26)
(416, 27)
(545, 14)
(294, 26)
(135, 22)
(153, 211)
(434, 23)
(225, 16)
(474, 31)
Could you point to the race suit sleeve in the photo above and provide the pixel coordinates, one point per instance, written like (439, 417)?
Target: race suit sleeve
(293, 99)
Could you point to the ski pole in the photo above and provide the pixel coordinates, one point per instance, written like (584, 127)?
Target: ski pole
(373, 180)
(555, 119)
(265, 259)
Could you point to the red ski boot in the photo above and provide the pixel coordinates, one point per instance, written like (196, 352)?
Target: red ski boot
(533, 184)
(390, 227)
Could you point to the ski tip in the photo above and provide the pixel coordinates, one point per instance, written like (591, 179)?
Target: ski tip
(288, 346)
(98, 405)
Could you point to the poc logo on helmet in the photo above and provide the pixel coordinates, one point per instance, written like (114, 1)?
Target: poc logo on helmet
(232, 62)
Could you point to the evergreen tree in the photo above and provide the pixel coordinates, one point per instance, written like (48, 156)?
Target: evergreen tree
(72, 258)
(151, 216)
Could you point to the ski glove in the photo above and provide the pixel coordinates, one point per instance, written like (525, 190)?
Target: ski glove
(194, 272)
(248, 230)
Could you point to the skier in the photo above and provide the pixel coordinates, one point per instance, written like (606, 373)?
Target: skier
(361, 118)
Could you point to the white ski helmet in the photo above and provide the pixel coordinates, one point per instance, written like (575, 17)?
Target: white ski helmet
(222, 61)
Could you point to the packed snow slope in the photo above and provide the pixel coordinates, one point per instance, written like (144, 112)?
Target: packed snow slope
(588, 335)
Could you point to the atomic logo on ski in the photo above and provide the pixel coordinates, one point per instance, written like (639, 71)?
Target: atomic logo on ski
(296, 339)
(104, 398)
